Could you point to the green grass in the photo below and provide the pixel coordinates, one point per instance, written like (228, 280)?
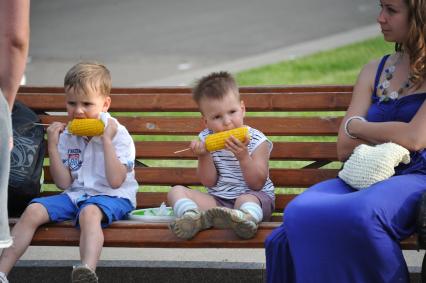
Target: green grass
(337, 66)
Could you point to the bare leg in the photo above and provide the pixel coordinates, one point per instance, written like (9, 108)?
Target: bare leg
(91, 236)
(34, 216)
(203, 200)
(190, 212)
(245, 198)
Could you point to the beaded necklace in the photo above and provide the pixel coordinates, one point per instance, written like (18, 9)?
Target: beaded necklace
(385, 96)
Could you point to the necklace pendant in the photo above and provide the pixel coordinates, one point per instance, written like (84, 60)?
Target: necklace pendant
(385, 84)
(393, 95)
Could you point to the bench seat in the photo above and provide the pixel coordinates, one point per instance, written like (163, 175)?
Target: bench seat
(302, 121)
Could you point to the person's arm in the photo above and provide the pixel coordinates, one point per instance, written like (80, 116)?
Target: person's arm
(60, 173)
(206, 170)
(115, 171)
(14, 44)
(361, 101)
(255, 167)
(411, 135)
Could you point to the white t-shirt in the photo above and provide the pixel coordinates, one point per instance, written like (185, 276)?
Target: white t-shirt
(85, 160)
(231, 183)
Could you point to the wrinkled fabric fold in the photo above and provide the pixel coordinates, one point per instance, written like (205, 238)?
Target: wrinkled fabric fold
(333, 233)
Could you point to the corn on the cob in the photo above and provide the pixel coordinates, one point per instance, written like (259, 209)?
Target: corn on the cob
(86, 127)
(217, 141)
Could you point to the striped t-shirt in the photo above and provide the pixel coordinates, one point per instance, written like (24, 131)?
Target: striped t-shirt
(231, 183)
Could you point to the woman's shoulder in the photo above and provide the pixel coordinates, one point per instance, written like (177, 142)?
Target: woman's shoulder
(372, 66)
(368, 73)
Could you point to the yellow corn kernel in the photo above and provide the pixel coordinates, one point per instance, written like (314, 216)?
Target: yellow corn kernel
(217, 141)
(86, 127)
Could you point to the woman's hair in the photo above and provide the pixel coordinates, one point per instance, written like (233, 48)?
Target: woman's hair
(216, 86)
(88, 76)
(415, 45)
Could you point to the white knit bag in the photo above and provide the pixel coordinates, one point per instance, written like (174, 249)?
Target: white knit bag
(370, 164)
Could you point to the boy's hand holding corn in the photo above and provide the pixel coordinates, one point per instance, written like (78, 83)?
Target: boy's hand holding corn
(198, 148)
(110, 129)
(238, 147)
(234, 140)
(53, 132)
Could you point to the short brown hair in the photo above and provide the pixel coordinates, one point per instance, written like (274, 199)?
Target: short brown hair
(86, 76)
(215, 85)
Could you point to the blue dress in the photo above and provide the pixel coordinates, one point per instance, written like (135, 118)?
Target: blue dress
(334, 233)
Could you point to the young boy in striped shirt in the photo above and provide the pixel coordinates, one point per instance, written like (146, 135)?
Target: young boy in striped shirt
(239, 191)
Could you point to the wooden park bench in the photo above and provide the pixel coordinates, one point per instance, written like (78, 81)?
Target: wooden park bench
(302, 121)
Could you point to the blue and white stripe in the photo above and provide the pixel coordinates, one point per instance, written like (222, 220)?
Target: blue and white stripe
(231, 183)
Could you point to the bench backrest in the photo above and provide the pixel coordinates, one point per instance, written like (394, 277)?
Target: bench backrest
(302, 122)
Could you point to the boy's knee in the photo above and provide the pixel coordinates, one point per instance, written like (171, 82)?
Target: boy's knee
(176, 191)
(240, 200)
(35, 213)
(90, 212)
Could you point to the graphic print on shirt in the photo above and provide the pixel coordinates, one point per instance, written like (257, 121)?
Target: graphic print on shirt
(74, 160)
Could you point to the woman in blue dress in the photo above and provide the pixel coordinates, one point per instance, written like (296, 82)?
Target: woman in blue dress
(335, 233)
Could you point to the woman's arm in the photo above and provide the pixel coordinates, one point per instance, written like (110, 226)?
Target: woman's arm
(361, 101)
(410, 135)
(14, 31)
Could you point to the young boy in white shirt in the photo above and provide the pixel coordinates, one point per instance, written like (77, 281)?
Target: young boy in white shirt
(96, 173)
(239, 191)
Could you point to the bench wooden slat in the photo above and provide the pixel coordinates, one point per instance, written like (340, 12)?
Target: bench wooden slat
(144, 236)
(273, 126)
(177, 89)
(154, 199)
(281, 150)
(135, 234)
(164, 102)
(187, 176)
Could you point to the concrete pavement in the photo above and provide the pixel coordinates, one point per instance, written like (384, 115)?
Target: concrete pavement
(145, 42)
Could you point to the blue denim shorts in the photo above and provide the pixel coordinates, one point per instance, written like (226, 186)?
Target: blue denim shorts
(61, 208)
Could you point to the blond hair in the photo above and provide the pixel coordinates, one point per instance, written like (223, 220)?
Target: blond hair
(88, 76)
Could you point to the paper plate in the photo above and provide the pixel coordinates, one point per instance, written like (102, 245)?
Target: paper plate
(151, 215)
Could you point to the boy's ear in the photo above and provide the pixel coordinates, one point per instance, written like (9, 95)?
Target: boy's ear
(107, 103)
(243, 107)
